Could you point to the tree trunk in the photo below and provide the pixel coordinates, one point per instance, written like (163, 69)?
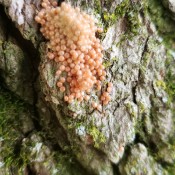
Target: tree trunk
(41, 134)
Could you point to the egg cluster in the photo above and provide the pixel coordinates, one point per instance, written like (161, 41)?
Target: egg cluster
(74, 46)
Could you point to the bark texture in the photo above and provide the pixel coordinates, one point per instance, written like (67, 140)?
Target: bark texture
(134, 134)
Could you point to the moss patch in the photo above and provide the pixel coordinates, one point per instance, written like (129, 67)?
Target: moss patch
(89, 129)
(170, 77)
(97, 136)
(125, 10)
(10, 132)
(163, 21)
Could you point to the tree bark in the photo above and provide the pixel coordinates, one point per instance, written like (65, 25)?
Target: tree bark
(41, 134)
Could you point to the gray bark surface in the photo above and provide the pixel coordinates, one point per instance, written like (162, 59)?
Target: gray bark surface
(134, 134)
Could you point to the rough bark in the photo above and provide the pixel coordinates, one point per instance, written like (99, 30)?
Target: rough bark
(41, 134)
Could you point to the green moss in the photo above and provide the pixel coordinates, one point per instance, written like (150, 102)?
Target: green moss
(160, 83)
(141, 107)
(145, 62)
(16, 151)
(97, 6)
(125, 10)
(169, 81)
(12, 49)
(10, 134)
(66, 162)
(170, 86)
(74, 124)
(131, 110)
(107, 64)
(170, 170)
(115, 59)
(163, 21)
(109, 19)
(63, 160)
(166, 153)
(97, 136)
(139, 130)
